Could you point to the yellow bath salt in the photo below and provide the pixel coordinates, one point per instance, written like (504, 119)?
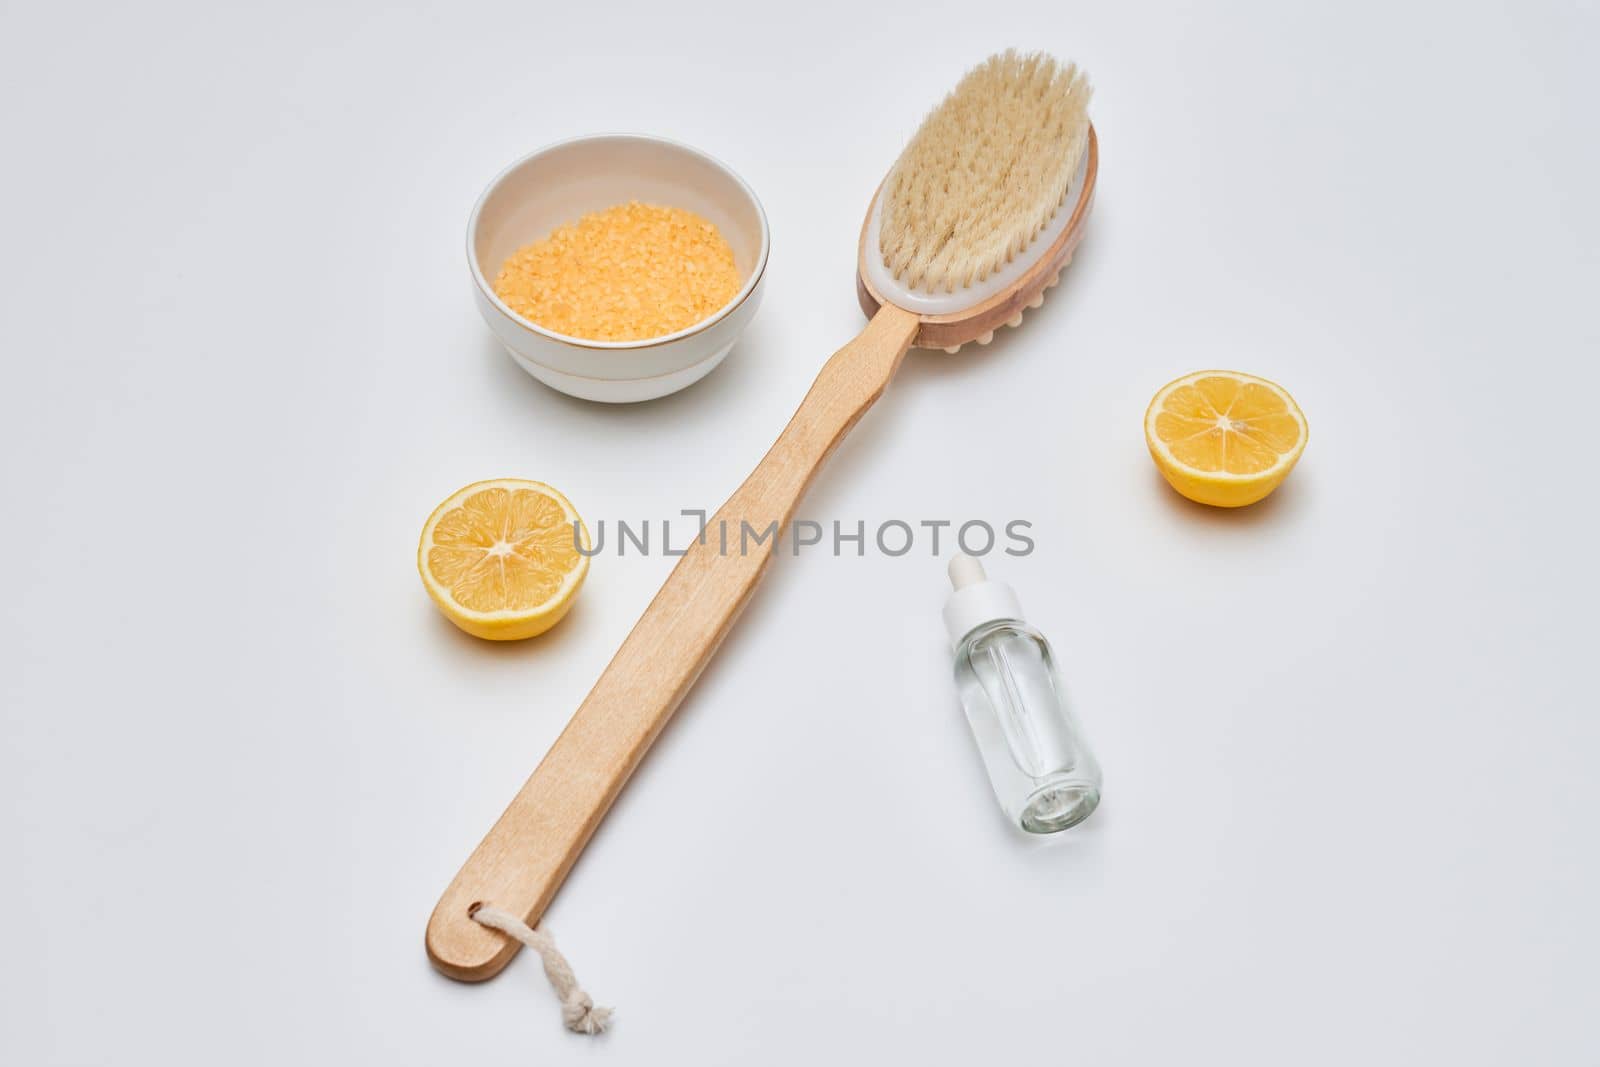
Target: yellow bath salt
(627, 273)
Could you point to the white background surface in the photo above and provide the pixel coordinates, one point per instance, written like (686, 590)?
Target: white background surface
(1349, 735)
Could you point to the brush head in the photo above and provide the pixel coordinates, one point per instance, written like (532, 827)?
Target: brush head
(984, 206)
(985, 173)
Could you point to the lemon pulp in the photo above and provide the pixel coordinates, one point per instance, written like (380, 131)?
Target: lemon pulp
(1224, 438)
(501, 559)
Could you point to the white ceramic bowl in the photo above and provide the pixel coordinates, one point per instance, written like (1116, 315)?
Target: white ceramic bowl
(553, 187)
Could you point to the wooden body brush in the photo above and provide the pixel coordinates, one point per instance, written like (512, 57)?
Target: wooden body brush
(976, 219)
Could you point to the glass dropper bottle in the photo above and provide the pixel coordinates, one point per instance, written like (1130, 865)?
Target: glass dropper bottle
(1043, 773)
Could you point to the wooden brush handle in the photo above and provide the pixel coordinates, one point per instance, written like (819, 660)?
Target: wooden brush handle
(521, 863)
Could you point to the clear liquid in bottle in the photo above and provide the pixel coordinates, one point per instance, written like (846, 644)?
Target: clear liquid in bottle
(1043, 772)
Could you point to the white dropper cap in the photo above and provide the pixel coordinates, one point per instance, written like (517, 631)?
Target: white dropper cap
(976, 599)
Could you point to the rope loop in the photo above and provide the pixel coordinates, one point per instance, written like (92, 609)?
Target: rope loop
(577, 1007)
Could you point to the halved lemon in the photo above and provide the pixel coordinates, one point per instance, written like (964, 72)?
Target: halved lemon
(501, 559)
(1224, 438)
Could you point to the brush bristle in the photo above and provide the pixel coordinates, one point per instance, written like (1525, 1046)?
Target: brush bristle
(985, 172)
